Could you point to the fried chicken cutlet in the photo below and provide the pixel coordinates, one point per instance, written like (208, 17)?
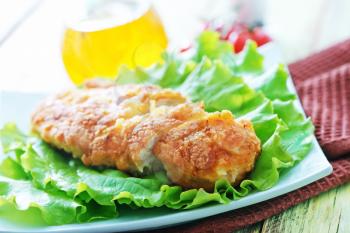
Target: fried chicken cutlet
(142, 129)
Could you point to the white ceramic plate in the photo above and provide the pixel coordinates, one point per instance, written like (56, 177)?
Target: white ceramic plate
(16, 107)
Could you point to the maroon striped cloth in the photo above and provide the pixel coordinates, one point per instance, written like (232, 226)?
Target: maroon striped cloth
(323, 83)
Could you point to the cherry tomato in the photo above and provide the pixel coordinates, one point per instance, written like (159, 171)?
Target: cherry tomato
(240, 34)
(239, 41)
(237, 34)
(260, 37)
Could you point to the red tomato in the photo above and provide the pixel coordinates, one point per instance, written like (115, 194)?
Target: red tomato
(239, 35)
(260, 37)
(239, 42)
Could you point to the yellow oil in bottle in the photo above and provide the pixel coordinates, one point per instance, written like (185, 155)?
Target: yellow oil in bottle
(112, 35)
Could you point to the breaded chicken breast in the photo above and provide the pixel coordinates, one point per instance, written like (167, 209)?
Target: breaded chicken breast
(142, 129)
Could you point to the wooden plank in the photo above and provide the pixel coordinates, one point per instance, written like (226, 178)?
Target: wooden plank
(342, 207)
(256, 228)
(329, 212)
(287, 220)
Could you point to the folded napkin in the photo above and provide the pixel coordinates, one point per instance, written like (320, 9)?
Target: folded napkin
(323, 84)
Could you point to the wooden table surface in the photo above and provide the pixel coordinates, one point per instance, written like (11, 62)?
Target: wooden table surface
(30, 37)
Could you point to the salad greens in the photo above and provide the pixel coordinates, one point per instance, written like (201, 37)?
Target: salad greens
(34, 175)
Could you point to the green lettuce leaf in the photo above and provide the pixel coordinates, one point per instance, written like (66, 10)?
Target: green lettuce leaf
(209, 45)
(21, 194)
(55, 208)
(76, 180)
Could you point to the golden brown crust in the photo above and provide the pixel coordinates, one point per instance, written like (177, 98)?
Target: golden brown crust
(199, 152)
(142, 128)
